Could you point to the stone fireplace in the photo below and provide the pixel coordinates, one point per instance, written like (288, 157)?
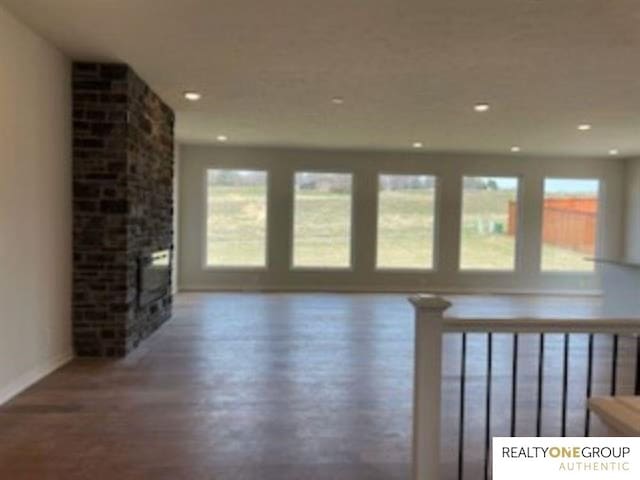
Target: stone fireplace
(123, 146)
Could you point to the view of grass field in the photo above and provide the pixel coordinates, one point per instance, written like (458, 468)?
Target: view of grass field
(322, 229)
(405, 226)
(237, 226)
(563, 259)
(485, 244)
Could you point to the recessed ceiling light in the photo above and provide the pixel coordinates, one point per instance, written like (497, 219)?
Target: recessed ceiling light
(337, 100)
(584, 127)
(192, 96)
(222, 138)
(481, 107)
(614, 151)
(515, 149)
(417, 145)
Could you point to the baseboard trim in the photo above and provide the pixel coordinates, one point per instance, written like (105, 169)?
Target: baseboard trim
(370, 289)
(27, 379)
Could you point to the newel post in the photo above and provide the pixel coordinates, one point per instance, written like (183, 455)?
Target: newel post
(427, 385)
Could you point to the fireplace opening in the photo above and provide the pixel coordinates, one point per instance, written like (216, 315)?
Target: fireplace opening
(154, 276)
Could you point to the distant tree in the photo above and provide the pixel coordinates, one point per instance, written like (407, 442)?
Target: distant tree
(476, 183)
(492, 185)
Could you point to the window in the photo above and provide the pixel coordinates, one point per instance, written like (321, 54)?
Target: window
(322, 220)
(489, 223)
(236, 218)
(405, 221)
(569, 224)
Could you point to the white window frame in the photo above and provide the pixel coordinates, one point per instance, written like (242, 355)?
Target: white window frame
(436, 224)
(517, 251)
(599, 225)
(292, 245)
(205, 223)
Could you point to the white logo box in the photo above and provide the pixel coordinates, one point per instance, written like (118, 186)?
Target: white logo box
(551, 458)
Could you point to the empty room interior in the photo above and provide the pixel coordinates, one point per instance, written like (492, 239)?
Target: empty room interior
(328, 240)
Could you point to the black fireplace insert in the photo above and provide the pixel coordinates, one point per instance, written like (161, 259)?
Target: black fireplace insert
(154, 276)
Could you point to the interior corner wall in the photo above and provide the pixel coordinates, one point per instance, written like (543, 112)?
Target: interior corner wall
(365, 166)
(35, 207)
(176, 212)
(632, 211)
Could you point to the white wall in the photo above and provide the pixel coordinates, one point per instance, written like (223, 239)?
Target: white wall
(449, 168)
(35, 207)
(632, 231)
(176, 209)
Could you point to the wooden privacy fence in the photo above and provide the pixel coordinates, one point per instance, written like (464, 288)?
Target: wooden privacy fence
(568, 222)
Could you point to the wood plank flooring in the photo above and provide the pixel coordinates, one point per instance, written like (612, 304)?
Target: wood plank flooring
(276, 387)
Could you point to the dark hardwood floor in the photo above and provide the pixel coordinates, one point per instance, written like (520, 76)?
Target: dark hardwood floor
(278, 387)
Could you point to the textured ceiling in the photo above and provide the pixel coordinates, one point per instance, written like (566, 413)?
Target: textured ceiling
(407, 70)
